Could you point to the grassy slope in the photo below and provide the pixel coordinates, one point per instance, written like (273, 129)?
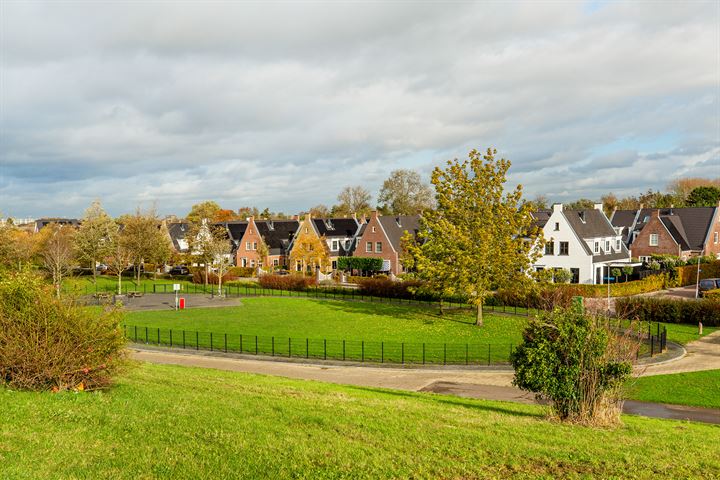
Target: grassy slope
(682, 334)
(700, 389)
(301, 317)
(176, 422)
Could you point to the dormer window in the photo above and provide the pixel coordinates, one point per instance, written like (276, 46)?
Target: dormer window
(597, 247)
(335, 246)
(607, 246)
(617, 244)
(557, 226)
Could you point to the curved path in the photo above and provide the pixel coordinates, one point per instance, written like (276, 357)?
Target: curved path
(702, 354)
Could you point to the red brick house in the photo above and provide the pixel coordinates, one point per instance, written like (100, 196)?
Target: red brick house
(684, 232)
(381, 237)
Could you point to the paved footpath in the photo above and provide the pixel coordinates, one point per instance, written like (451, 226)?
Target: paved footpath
(472, 383)
(702, 354)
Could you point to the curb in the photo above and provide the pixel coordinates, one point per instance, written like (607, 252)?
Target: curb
(682, 355)
(319, 362)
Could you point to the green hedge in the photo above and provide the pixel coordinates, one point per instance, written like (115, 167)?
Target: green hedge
(653, 283)
(365, 264)
(687, 275)
(652, 309)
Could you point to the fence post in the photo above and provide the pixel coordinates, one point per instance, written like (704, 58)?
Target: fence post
(135, 333)
(146, 335)
(197, 340)
(158, 336)
(489, 345)
(423, 353)
(211, 342)
(226, 343)
(444, 353)
(272, 339)
(289, 347)
(343, 350)
(652, 346)
(241, 348)
(256, 345)
(324, 348)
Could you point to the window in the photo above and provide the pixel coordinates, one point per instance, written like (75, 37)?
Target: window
(298, 266)
(653, 239)
(597, 247)
(557, 226)
(564, 248)
(368, 247)
(248, 246)
(334, 264)
(347, 244)
(378, 247)
(607, 246)
(373, 229)
(254, 245)
(715, 238)
(550, 248)
(243, 262)
(252, 263)
(575, 275)
(335, 245)
(644, 259)
(276, 262)
(617, 244)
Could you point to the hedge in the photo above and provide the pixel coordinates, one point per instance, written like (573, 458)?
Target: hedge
(687, 275)
(365, 264)
(286, 282)
(651, 309)
(652, 283)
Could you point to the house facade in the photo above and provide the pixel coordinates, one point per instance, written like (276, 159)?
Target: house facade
(339, 235)
(381, 237)
(581, 241)
(683, 232)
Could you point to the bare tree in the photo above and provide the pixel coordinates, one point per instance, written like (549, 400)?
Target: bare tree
(219, 248)
(353, 200)
(143, 238)
(57, 253)
(117, 259)
(93, 236)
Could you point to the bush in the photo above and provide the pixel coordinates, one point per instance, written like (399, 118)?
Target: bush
(668, 310)
(383, 287)
(652, 283)
(687, 275)
(566, 357)
(286, 282)
(49, 343)
(364, 264)
(241, 272)
(713, 294)
(198, 276)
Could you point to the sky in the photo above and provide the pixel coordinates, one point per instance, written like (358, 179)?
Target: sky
(282, 104)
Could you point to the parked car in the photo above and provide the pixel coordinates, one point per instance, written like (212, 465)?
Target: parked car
(101, 267)
(708, 284)
(179, 270)
(282, 272)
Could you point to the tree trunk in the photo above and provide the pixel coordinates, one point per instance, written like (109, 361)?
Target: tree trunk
(120, 283)
(441, 307)
(479, 316)
(207, 274)
(94, 269)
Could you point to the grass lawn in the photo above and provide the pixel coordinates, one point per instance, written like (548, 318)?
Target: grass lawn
(700, 389)
(178, 422)
(682, 334)
(372, 331)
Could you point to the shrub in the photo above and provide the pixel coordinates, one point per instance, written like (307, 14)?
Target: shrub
(667, 310)
(566, 357)
(713, 294)
(243, 272)
(687, 275)
(364, 264)
(49, 343)
(286, 282)
(383, 287)
(651, 283)
(198, 276)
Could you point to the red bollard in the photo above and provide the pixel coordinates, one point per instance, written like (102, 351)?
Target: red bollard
(182, 303)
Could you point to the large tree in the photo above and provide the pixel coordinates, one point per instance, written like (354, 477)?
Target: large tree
(93, 237)
(404, 193)
(705, 196)
(143, 238)
(219, 249)
(207, 210)
(17, 247)
(479, 237)
(353, 200)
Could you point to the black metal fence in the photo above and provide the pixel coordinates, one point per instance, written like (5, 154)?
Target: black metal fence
(326, 349)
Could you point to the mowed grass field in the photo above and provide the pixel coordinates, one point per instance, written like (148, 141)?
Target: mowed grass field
(178, 422)
(700, 389)
(335, 329)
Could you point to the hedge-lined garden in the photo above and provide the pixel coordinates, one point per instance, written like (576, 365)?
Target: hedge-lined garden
(652, 309)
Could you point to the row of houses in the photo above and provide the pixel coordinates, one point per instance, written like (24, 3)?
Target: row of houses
(308, 243)
(586, 242)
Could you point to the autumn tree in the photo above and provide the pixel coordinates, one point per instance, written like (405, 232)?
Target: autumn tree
(705, 196)
(117, 256)
(320, 211)
(203, 211)
(92, 238)
(309, 251)
(143, 238)
(404, 193)
(540, 202)
(218, 249)
(57, 252)
(352, 200)
(682, 187)
(581, 204)
(17, 247)
(479, 238)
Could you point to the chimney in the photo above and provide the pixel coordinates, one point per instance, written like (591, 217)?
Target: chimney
(598, 206)
(295, 217)
(557, 207)
(655, 213)
(642, 206)
(374, 214)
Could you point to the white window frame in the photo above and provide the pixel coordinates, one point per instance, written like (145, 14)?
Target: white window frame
(607, 246)
(715, 238)
(568, 249)
(248, 246)
(655, 237)
(618, 247)
(378, 247)
(368, 247)
(276, 262)
(597, 247)
(254, 245)
(374, 229)
(335, 246)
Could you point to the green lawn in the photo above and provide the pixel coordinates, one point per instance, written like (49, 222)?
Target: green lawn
(700, 389)
(310, 327)
(682, 334)
(177, 422)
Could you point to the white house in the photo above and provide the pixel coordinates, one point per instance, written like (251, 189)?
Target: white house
(582, 241)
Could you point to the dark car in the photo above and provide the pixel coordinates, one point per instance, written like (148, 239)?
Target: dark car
(179, 270)
(708, 284)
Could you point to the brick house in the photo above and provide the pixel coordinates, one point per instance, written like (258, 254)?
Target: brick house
(339, 235)
(381, 237)
(252, 236)
(308, 249)
(683, 232)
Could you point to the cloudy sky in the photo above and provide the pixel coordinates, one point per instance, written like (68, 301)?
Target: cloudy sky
(283, 104)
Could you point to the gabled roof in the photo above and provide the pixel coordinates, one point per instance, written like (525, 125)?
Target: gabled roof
(541, 217)
(336, 227)
(396, 226)
(44, 222)
(236, 230)
(177, 231)
(624, 219)
(590, 223)
(688, 226)
(277, 234)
